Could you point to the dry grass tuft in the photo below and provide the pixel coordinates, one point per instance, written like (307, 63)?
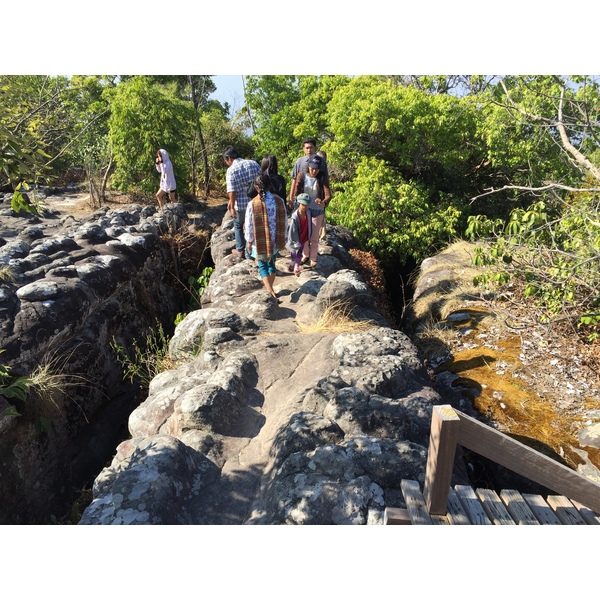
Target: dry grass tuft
(337, 318)
(6, 273)
(434, 341)
(444, 299)
(50, 385)
(190, 252)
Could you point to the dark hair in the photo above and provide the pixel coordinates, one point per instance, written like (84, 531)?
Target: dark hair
(269, 164)
(263, 183)
(310, 141)
(230, 152)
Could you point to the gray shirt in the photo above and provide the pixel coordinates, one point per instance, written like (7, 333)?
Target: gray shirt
(302, 165)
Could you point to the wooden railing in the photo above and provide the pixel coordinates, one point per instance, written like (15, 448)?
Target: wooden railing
(450, 427)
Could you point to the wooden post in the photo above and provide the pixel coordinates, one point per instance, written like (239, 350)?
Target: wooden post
(445, 425)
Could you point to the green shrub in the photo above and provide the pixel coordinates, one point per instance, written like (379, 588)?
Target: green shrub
(12, 388)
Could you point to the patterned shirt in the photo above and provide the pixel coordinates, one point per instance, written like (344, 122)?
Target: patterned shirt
(237, 177)
(270, 203)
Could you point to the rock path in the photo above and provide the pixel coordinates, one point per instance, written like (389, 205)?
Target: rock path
(288, 365)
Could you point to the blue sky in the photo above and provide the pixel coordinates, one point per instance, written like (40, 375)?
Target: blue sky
(229, 89)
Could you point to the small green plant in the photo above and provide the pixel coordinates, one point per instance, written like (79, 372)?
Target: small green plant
(142, 363)
(12, 387)
(35, 205)
(197, 286)
(592, 323)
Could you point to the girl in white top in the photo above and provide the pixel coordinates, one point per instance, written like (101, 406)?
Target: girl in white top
(167, 178)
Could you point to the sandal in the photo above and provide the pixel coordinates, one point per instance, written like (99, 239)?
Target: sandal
(304, 260)
(313, 264)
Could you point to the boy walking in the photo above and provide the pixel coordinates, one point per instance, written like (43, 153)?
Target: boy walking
(299, 232)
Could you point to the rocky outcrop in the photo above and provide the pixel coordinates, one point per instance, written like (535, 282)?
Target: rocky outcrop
(536, 382)
(278, 418)
(69, 288)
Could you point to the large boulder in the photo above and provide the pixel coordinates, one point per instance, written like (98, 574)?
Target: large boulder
(151, 481)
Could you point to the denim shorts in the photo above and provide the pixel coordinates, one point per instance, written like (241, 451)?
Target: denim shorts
(266, 267)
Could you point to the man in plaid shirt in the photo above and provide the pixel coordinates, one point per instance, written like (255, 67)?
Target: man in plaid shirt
(240, 173)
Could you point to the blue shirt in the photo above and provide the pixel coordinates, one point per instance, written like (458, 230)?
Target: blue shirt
(237, 178)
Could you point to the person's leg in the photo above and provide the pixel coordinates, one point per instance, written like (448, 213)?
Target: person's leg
(265, 270)
(272, 272)
(160, 195)
(172, 197)
(305, 251)
(297, 261)
(269, 286)
(322, 236)
(242, 218)
(314, 239)
(238, 231)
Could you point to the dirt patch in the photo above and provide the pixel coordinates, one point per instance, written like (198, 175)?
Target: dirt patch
(79, 203)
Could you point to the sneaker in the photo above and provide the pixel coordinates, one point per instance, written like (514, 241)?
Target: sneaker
(236, 252)
(297, 270)
(292, 267)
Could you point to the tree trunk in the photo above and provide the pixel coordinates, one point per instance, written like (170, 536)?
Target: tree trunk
(200, 137)
(90, 176)
(105, 180)
(247, 106)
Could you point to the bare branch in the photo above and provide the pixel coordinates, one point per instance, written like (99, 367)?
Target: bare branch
(543, 188)
(580, 158)
(64, 149)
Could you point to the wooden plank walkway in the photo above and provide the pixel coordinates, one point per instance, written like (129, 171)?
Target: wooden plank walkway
(467, 506)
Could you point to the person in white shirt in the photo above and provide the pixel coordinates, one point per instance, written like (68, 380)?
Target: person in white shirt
(167, 178)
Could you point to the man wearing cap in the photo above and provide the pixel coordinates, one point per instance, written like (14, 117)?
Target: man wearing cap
(309, 145)
(240, 172)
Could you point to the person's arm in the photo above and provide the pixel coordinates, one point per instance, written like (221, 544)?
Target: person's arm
(231, 204)
(293, 194)
(326, 191)
(287, 221)
(249, 227)
(290, 234)
(296, 189)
